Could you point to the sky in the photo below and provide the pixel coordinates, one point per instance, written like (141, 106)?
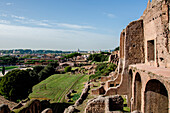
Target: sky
(66, 24)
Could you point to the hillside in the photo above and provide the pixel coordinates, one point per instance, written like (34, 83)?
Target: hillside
(55, 87)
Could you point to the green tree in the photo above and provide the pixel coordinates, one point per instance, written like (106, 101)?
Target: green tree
(47, 71)
(117, 48)
(67, 69)
(16, 85)
(37, 69)
(3, 70)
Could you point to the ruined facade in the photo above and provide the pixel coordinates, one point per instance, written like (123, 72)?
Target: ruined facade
(144, 65)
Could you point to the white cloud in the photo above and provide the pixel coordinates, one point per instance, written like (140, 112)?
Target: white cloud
(44, 38)
(110, 15)
(73, 26)
(4, 22)
(47, 23)
(18, 17)
(9, 4)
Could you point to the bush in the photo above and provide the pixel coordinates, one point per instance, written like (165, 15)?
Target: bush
(67, 69)
(103, 70)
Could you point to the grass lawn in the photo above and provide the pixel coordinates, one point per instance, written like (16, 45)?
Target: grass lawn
(54, 87)
(9, 67)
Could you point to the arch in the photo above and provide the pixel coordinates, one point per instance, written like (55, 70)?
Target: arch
(130, 79)
(137, 93)
(130, 82)
(155, 97)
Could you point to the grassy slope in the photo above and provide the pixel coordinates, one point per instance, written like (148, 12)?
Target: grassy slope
(55, 87)
(79, 86)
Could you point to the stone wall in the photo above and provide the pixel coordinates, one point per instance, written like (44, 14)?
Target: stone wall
(33, 106)
(155, 88)
(134, 43)
(105, 104)
(156, 27)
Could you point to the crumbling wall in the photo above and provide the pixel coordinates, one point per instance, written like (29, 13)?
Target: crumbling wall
(33, 106)
(156, 27)
(134, 47)
(105, 104)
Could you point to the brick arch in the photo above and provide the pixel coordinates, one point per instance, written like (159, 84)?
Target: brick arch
(155, 97)
(137, 92)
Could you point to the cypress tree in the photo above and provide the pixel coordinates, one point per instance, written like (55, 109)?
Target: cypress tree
(3, 70)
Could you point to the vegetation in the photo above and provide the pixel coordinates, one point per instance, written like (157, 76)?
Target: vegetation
(98, 57)
(108, 53)
(67, 69)
(47, 71)
(72, 55)
(8, 60)
(117, 48)
(29, 51)
(103, 69)
(54, 87)
(16, 85)
(3, 70)
(79, 86)
(8, 67)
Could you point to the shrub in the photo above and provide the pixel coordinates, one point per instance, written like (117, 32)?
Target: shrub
(103, 70)
(67, 69)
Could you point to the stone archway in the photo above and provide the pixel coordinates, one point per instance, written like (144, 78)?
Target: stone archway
(137, 93)
(156, 97)
(130, 86)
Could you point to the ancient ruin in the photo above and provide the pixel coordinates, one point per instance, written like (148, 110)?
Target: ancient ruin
(143, 72)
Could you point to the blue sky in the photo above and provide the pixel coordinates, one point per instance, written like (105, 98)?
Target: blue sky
(66, 24)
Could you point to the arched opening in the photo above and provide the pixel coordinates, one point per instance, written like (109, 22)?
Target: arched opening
(130, 86)
(156, 97)
(137, 93)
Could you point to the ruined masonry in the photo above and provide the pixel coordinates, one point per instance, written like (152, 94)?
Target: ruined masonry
(143, 72)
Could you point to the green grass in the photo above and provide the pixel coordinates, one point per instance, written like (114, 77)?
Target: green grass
(54, 87)
(79, 86)
(74, 68)
(9, 67)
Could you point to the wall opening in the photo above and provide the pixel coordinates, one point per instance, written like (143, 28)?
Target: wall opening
(111, 85)
(130, 85)
(150, 50)
(137, 93)
(156, 97)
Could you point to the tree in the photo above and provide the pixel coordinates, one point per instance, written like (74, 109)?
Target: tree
(3, 70)
(16, 85)
(37, 69)
(117, 48)
(67, 69)
(47, 71)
